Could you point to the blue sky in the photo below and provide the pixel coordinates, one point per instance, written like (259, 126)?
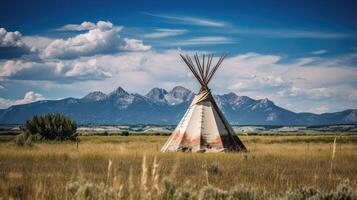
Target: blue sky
(300, 54)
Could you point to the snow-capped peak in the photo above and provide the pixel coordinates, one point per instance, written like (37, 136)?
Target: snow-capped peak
(119, 92)
(157, 94)
(94, 96)
(178, 95)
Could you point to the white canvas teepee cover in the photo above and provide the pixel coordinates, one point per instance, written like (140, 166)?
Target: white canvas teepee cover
(203, 127)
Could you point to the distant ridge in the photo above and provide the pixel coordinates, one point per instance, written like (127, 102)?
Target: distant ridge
(161, 107)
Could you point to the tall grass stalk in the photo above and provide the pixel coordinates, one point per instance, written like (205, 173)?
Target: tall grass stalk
(144, 176)
(333, 149)
(155, 175)
(131, 186)
(332, 157)
(110, 163)
(207, 180)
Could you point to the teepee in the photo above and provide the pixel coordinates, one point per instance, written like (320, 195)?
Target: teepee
(203, 128)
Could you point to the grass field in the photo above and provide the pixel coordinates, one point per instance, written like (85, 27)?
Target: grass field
(109, 167)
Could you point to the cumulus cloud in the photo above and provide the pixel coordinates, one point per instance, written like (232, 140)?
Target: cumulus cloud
(37, 42)
(12, 45)
(134, 45)
(78, 27)
(103, 38)
(29, 97)
(58, 71)
(10, 39)
(87, 70)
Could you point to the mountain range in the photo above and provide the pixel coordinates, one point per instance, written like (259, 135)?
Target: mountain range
(167, 107)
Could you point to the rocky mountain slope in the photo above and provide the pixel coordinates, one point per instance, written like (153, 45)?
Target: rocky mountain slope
(159, 106)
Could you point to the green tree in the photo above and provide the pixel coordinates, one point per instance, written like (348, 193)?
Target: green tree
(51, 126)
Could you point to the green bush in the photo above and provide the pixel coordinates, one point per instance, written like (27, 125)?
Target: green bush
(343, 192)
(302, 193)
(20, 140)
(186, 192)
(105, 133)
(24, 139)
(212, 193)
(28, 141)
(171, 191)
(125, 133)
(51, 127)
(245, 193)
(168, 190)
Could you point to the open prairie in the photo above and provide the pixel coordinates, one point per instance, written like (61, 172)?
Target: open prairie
(111, 165)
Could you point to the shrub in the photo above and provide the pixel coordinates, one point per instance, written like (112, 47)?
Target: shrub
(28, 141)
(302, 193)
(171, 191)
(125, 133)
(344, 191)
(186, 192)
(245, 193)
(212, 193)
(20, 140)
(51, 127)
(168, 190)
(23, 139)
(73, 188)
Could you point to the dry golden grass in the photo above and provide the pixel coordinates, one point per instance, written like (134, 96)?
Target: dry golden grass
(274, 163)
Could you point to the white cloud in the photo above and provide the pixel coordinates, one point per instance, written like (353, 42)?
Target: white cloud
(37, 42)
(58, 71)
(78, 27)
(319, 52)
(292, 33)
(206, 40)
(10, 39)
(103, 39)
(134, 45)
(326, 73)
(312, 94)
(237, 86)
(161, 33)
(258, 83)
(272, 81)
(87, 70)
(29, 97)
(190, 20)
(12, 45)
